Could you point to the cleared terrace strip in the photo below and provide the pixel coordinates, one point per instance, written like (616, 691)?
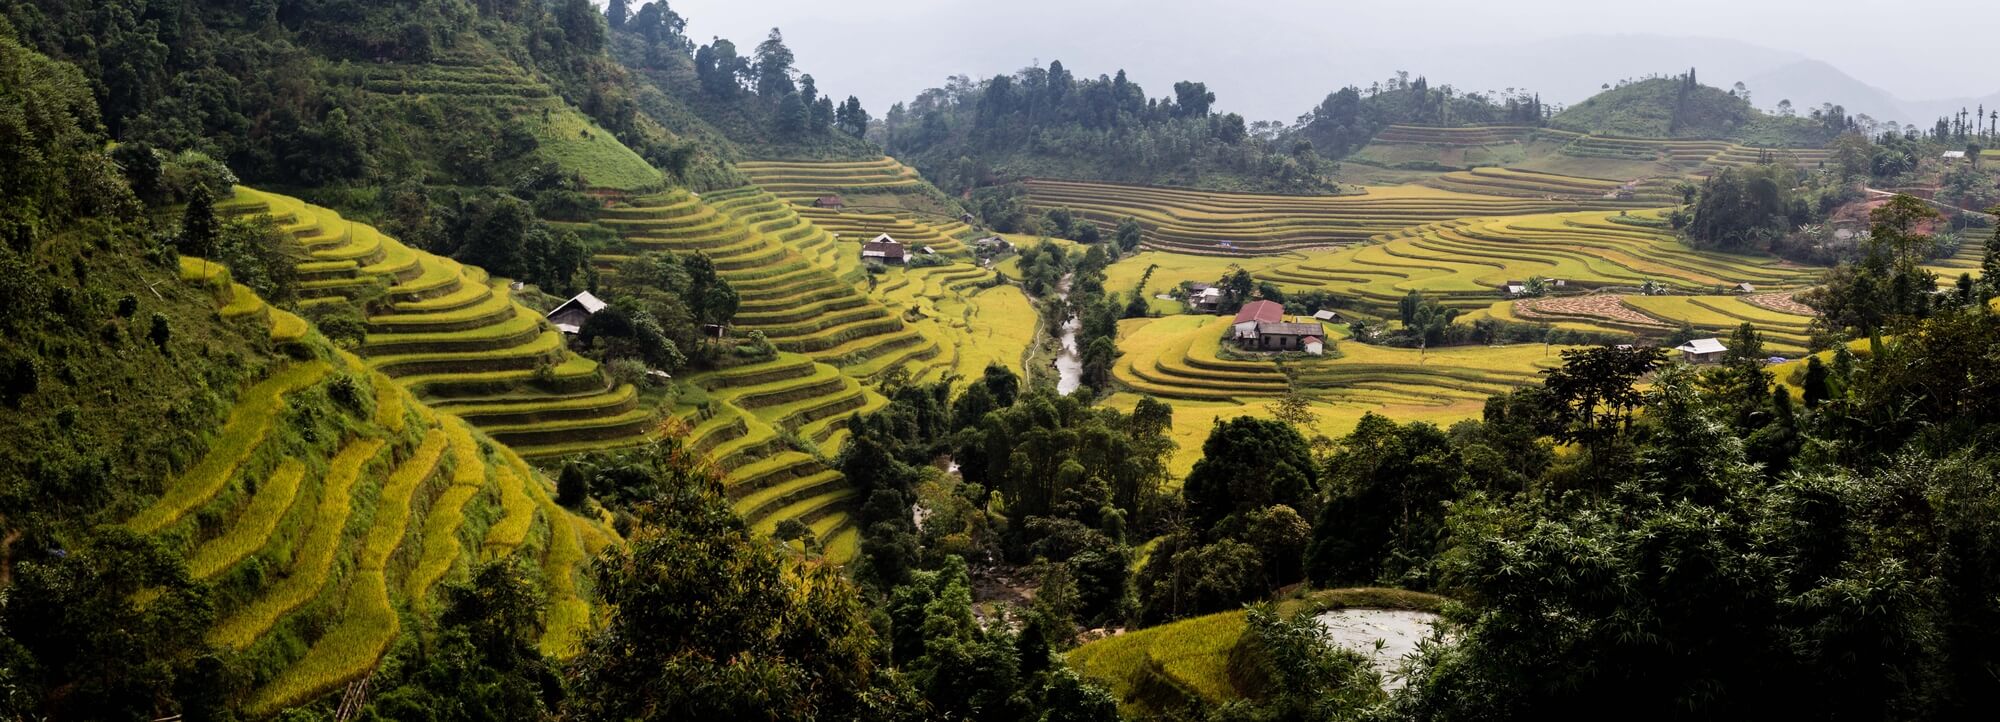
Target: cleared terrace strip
(313, 561)
(517, 512)
(442, 549)
(252, 529)
(451, 330)
(1202, 222)
(369, 623)
(249, 422)
(1458, 136)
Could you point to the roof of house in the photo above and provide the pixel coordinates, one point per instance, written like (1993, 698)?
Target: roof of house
(1290, 329)
(1260, 311)
(1702, 346)
(882, 250)
(1746, 287)
(1326, 315)
(1517, 289)
(589, 303)
(1210, 292)
(1310, 340)
(1198, 286)
(1954, 154)
(884, 238)
(828, 201)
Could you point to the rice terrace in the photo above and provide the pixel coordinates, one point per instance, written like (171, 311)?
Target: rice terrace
(569, 360)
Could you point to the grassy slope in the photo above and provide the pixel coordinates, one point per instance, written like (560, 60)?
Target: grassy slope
(1149, 670)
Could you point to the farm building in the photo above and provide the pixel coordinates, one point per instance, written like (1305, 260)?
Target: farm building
(884, 249)
(1327, 316)
(1745, 288)
(833, 202)
(1702, 351)
(569, 316)
(1284, 336)
(993, 243)
(967, 219)
(1203, 298)
(1953, 155)
(1253, 314)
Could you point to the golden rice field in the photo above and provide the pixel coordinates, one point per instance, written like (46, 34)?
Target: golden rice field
(1241, 224)
(771, 425)
(806, 180)
(1179, 358)
(318, 544)
(1466, 263)
(455, 337)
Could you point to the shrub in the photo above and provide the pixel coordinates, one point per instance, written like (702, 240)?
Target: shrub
(340, 323)
(628, 371)
(161, 333)
(345, 390)
(18, 379)
(128, 305)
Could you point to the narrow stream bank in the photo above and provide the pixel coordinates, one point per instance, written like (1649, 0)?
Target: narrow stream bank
(1069, 361)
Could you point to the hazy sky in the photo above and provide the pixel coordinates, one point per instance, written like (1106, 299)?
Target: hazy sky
(1272, 59)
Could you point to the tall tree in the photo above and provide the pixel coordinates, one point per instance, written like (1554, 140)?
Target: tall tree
(774, 67)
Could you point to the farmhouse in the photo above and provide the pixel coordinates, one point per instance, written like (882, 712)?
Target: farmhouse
(1252, 315)
(1327, 316)
(884, 249)
(569, 317)
(1203, 298)
(1284, 336)
(1745, 288)
(833, 202)
(1702, 351)
(994, 243)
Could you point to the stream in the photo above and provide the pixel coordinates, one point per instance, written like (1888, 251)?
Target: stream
(1069, 361)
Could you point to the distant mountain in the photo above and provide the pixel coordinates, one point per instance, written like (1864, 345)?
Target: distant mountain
(1551, 68)
(1810, 83)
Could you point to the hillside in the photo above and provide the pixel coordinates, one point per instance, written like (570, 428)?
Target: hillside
(438, 91)
(318, 507)
(684, 91)
(1681, 107)
(1051, 123)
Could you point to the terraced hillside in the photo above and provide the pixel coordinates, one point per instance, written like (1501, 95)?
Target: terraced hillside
(772, 425)
(1475, 135)
(455, 337)
(473, 74)
(1516, 183)
(1784, 324)
(807, 180)
(332, 504)
(1234, 224)
(1180, 357)
(1706, 155)
(947, 237)
(1465, 263)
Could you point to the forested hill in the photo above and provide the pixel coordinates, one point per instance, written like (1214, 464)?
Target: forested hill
(1681, 107)
(317, 92)
(1049, 122)
(1350, 117)
(740, 103)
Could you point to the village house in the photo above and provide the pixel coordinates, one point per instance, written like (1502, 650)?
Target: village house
(1261, 326)
(1203, 298)
(1252, 314)
(992, 243)
(1745, 288)
(832, 202)
(1327, 316)
(1702, 351)
(883, 249)
(570, 316)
